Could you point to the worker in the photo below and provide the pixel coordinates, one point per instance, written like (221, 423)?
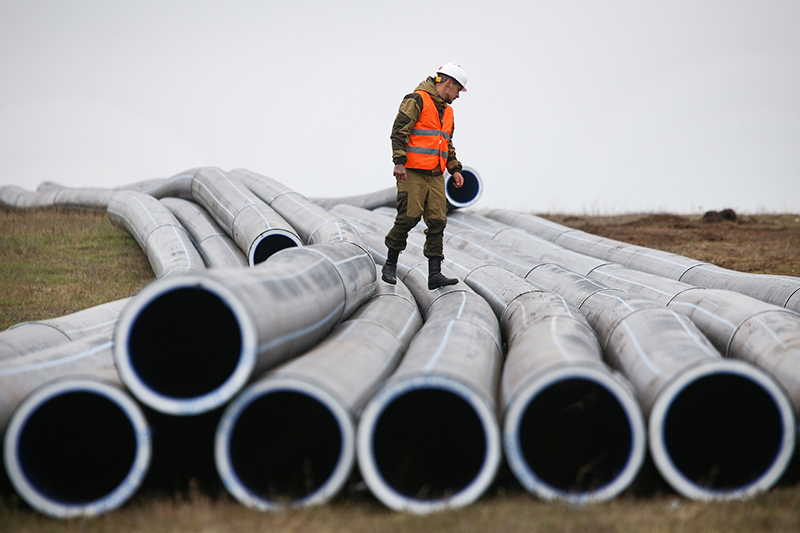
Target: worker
(422, 149)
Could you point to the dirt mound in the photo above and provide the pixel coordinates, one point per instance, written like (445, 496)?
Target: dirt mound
(719, 216)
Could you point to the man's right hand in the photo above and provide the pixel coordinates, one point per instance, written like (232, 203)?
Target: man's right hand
(400, 172)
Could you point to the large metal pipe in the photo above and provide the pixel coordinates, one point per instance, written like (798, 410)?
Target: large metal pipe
(465, 196)
(739, 326)
(75, 443)
(572, 429)
(187, 344)
(429, 439)
(168, 246)
(29, 337)
(68, 198)
(289, 438)
(783, 291)
(255, 227)
(20, 375)
(655, 347)
(312, 222)
(216, 247)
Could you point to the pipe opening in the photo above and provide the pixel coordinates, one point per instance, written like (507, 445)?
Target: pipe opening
(723, 431)
(285, 445)
(77, 447)
(467, 193)
(429, 444)
(270, 245)
(185, 343)
(575, 436)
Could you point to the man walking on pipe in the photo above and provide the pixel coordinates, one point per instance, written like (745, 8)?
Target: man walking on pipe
(422, 149)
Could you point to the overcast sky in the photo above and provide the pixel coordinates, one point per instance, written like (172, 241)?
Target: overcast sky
(597, 107)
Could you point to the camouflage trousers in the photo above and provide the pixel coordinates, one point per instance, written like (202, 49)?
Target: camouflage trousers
(420, 196)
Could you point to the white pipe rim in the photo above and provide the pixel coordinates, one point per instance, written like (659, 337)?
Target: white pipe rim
(205, 402)
(661, 406)
(366, 460)
(222, 457)
(122, 492)
(511, 437)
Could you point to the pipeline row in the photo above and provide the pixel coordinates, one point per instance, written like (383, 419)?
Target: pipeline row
(267, 313)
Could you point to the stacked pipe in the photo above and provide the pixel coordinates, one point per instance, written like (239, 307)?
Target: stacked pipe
(75, 443)
(671, 380)
(289, 438)
(572, 428)
(429, 438)
(783, 291)
(257, 229)
(191, 341)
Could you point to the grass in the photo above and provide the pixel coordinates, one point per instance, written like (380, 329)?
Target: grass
(56, 262)
(53, 263)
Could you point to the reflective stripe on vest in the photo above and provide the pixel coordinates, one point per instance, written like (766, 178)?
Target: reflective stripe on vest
(428, 143)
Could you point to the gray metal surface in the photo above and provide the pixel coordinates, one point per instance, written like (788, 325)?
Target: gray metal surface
(168, 246)
(653, 347)
(216, 247)
(255, 227)
(739, 326)
(783, 291)
(289, 438)
(28, 337)
(187, 344)
(429, 439)
(312, 222)
(553, 363)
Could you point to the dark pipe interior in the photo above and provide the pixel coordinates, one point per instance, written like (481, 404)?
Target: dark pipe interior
(466, 192)
(185, 343)
(285, 445)
(723, 431)
(77, 447)
(575, 436)
(429, 444)
(270, 245)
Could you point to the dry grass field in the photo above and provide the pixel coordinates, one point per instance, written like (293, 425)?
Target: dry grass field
(56, 262)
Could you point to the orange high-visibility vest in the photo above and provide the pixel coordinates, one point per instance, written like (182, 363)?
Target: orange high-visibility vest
(429, 141)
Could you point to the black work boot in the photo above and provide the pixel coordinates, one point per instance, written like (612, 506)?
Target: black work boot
(389, 272)
(435, 277)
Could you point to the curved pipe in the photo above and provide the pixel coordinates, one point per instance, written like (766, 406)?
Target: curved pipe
(429, 439)
(457, 198)
(652, 346)
(168, 246)
(255, 227)
(216, 247)
(187, 344)
(289, 439)
(783, 291)
(313, 223)
(19, 198)
(29, 337)
(53, 195)
(77, 446)
(572, 428)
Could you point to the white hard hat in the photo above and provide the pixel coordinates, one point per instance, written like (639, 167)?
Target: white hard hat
(455, 71)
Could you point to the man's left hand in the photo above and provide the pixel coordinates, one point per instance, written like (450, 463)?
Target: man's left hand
(458, 179)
